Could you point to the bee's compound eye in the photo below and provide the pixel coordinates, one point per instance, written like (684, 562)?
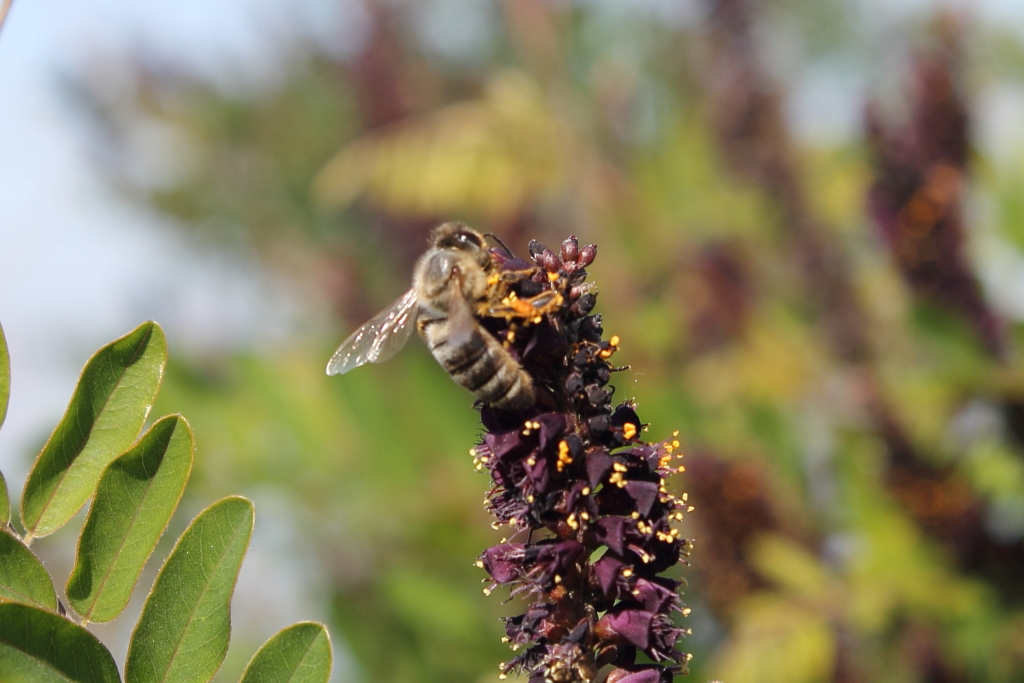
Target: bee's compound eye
(469, 239)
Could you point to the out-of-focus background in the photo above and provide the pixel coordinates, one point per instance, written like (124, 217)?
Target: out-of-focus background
(810, 221)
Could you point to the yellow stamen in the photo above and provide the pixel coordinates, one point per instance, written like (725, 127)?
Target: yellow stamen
(563, 455)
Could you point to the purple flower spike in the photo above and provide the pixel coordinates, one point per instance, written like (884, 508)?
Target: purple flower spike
(584, 496)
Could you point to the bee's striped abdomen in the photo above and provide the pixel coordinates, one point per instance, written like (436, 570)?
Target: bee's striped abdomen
(480, 365)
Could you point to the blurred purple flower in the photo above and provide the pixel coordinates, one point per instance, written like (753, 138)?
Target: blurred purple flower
(920, 169)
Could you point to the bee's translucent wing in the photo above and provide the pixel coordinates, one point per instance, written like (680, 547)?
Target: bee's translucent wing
(379, 339)
(461, 321)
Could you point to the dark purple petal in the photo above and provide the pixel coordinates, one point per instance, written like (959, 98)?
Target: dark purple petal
(644, 495)
(632, 626)
(504, 562)
(599, 463)
(606, 571)
(655, 597)
(531, 625)
(552, 427)
(556, 558)
(611, 531)
(643, 676)
(508, 445)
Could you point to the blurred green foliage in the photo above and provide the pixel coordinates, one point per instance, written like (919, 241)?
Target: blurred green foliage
(858, 516)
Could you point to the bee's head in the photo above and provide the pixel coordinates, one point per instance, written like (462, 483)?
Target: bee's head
(457, 236)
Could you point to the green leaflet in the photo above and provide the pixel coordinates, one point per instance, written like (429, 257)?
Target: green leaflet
(22, 577)
(5, 376)
(5, 502)
(135, 499)
(300, 653)
(37, 646)
(114, 394)
(185, 625)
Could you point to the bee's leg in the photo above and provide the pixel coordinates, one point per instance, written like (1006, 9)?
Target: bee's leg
(532, 308)
(518, 275)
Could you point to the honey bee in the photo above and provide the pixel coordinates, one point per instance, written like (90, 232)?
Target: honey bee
(454, 283)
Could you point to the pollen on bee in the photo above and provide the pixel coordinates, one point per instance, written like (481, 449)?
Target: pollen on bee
(494, 279)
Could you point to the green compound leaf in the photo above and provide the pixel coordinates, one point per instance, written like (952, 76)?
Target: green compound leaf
(114, 394)
(5, 502)
(22, 577)
(185, 626)
(5, 375)
(135, 499)
(300, 653)
(40, 647)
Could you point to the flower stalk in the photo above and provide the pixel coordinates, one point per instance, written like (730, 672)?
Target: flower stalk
(584, 495)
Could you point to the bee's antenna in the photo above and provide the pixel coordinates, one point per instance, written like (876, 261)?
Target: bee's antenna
(498, 240)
